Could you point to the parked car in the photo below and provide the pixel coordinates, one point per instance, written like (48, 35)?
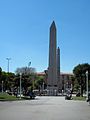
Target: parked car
(68, 95)
(32, 95)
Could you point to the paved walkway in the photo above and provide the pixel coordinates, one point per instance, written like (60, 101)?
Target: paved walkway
(45, 108)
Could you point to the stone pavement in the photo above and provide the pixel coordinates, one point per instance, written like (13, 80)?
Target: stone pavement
(45, 108)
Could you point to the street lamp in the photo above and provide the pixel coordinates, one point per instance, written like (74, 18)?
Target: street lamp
(29, 64)
(29, 67)
(87, 83)
(20, 84)
(43, 87)
(8, 59)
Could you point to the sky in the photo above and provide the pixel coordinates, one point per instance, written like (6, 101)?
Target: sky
(24, 33)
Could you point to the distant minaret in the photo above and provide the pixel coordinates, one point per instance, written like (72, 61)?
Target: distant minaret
(52, 69)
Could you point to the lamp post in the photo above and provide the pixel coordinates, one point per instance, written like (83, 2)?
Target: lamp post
(29, 64)
(87, 83)
(20, 84)
(43, 87)
(8, 59)
(29, 67)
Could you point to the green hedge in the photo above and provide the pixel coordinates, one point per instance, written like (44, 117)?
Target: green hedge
(79, 98)
(7, 97)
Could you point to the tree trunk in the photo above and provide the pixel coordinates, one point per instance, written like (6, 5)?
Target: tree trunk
(81, 90)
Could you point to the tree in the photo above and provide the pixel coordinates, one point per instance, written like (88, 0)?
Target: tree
(39, 82)
(8, 80)
(0, 78)
(0, 71)
(80, 75)
(28, 76)
(25, 70)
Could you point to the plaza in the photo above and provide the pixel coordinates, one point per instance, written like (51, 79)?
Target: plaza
(45, 108)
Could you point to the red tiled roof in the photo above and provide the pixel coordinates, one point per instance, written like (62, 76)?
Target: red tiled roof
(43, 73)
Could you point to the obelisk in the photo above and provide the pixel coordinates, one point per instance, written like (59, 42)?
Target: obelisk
(58, 71)
(52, 67)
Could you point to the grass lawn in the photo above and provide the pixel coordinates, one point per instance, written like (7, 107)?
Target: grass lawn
(6, 97)
(79, 98)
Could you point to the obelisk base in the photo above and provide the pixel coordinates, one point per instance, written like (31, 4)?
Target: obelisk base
(52, 91)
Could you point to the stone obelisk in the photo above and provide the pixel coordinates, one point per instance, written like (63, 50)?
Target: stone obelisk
(58, 71)
(52, 68)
